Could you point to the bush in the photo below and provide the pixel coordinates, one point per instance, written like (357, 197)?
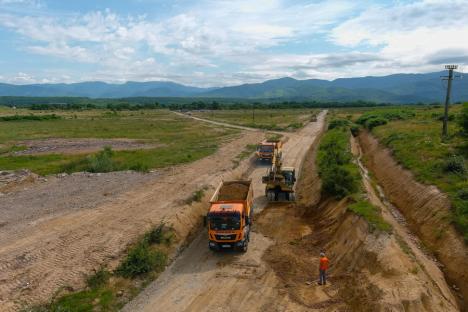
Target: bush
(98, 279)
(463, 119)
(102, 162)
(454, 164)
(140, 260)
(463, 194)
(140, 167)
(29, 117)
(355, 130)
(338, 181)
(338, 123)
(334, 160)
(374, 122)
(156, 235)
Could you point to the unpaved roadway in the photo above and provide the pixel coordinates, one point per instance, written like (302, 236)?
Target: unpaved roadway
(200, 280)
(56, 232)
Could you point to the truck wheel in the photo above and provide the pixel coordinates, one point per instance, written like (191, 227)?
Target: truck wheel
(245, 246)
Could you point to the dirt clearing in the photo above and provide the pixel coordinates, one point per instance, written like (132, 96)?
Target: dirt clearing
(78, 146)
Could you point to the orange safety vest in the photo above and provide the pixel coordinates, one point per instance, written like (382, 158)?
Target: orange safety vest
(324, 263)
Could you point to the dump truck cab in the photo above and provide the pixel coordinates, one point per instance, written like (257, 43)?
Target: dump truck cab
(230, 216)
(267, 149)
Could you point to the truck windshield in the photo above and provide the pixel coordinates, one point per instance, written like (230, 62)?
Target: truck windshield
(266, 148)
(225, 222)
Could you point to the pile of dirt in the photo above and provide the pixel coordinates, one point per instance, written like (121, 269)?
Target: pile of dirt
(426, 209)
(11, 179)
(233, 191)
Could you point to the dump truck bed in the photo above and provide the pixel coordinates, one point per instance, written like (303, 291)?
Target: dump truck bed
(233, 191)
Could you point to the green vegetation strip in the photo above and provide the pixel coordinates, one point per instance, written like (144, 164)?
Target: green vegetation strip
(29, 117)
(414, 136)
(340, 175)
(110, 291)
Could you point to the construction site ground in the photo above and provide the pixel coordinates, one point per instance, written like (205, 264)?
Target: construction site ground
(58, 245)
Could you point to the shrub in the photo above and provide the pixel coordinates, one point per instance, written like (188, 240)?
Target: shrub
(156, 235)
(334, 161)
(338, 181)
(355, 130)
(140, 260)
(98, 279)
(338, 123)
(374, 122)
(295, 125)
(454, 164)
(102, 162)
(196, 196)
(463, 194)
(463, 119)
(140, 167)
(29, 117)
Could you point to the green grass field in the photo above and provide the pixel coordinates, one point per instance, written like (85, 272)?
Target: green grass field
(269, 119)
(414, 136)
(179, 139)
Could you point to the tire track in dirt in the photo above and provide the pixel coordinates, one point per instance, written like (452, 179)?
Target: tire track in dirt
(200, 280)
(58, 251)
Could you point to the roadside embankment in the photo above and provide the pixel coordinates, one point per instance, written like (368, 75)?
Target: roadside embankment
(426, 209)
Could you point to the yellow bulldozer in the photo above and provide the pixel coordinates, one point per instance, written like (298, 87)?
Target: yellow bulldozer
(279, 181)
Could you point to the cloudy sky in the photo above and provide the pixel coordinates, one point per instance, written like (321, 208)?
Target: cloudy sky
(226, 42)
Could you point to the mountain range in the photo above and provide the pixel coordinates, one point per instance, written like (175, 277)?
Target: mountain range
(397, 88)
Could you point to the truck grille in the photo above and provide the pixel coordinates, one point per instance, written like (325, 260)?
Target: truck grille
(225, 237)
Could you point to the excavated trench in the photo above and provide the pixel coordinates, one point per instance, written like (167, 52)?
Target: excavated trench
(426, 210)
(370, 270)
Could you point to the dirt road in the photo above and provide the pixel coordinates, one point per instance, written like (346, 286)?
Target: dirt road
(59, 230)
(200, 280)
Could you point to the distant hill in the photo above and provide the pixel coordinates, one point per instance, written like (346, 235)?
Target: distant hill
(398, 88)
(96, 89)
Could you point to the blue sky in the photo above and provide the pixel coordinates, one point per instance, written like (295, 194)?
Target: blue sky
(226, 42)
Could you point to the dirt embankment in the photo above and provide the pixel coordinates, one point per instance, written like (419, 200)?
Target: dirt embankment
(369, 270)
(426, 209)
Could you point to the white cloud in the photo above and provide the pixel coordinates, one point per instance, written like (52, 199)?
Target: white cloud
(410, 34)
(219, 42)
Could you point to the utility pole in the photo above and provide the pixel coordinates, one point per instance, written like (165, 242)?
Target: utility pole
(449, 78)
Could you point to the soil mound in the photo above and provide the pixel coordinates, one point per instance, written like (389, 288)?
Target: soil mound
(233, 191)
(426, 209)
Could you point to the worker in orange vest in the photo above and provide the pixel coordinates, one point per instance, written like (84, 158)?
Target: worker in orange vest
(324, 262)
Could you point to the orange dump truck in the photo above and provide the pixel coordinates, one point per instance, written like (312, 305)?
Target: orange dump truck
(268, 149)
(230, 216)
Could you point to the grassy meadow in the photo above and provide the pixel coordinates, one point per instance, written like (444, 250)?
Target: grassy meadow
(268, 119)
(176, 139)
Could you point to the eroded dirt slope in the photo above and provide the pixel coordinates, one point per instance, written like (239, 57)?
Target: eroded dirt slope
(425, 208)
